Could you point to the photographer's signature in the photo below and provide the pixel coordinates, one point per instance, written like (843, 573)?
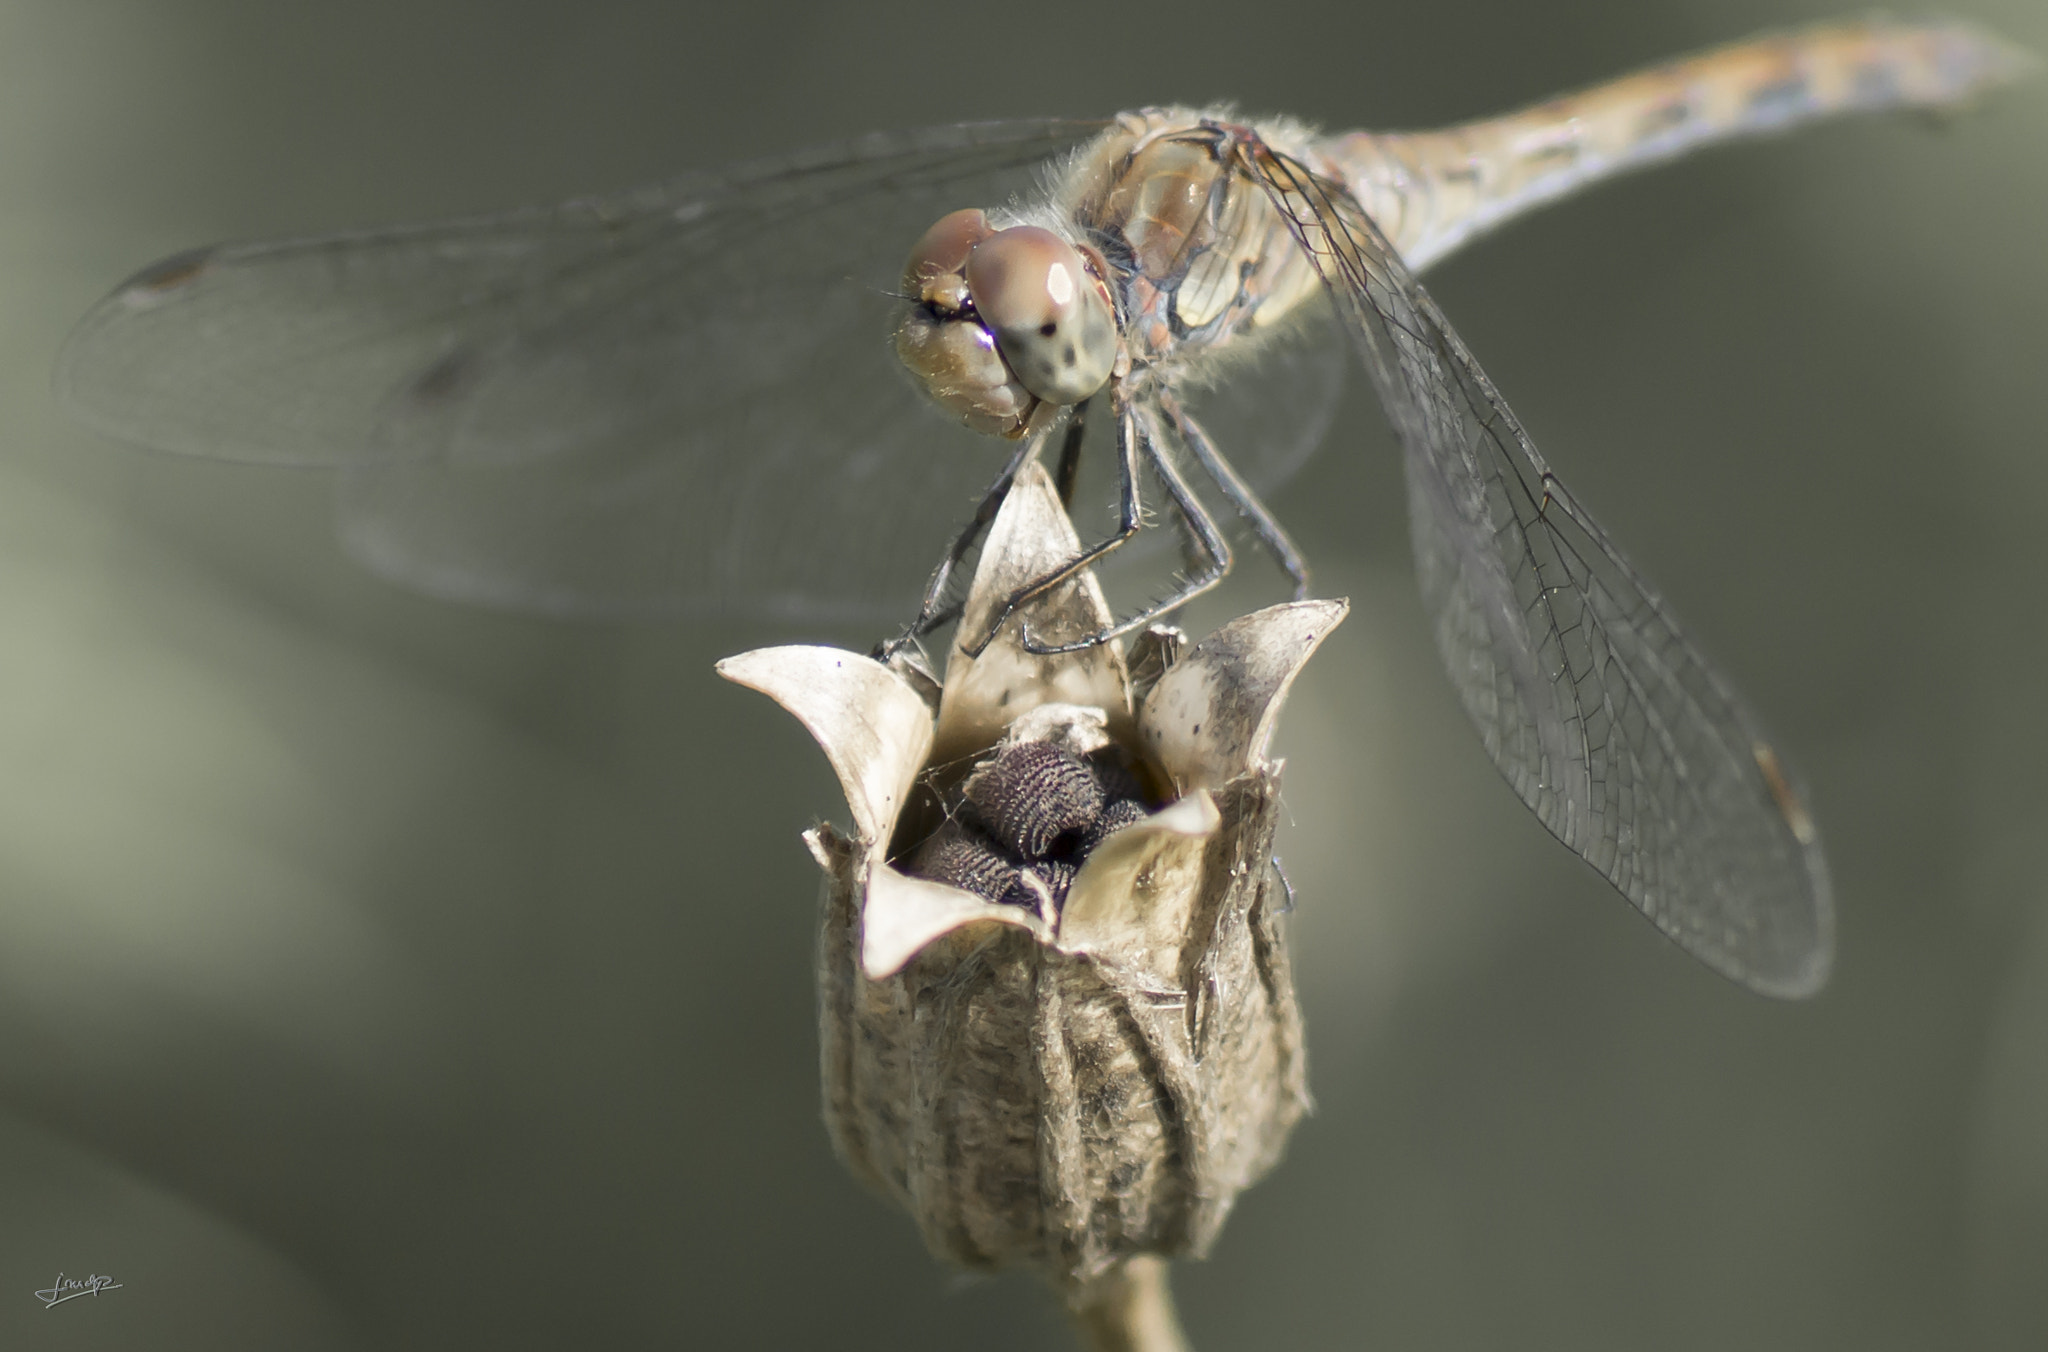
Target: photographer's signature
(65, 1288)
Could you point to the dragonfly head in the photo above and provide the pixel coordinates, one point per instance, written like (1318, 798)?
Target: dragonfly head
(1004, 321)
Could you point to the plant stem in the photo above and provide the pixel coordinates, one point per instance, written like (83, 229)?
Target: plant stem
(1129, 1309)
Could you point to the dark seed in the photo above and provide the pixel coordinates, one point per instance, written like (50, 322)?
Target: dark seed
(962, 859)
(1115, 817)
(1032, 795)
(1114, 776)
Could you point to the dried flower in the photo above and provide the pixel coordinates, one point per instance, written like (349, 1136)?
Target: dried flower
(1059, 1025)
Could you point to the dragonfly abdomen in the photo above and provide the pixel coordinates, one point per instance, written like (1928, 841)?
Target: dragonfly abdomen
(1432, 191)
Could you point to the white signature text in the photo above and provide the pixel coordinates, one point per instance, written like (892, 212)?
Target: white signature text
(64, 1288)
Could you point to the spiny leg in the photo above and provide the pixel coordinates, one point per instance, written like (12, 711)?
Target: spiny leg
(1129, 519)
(1269, 531)
(1202, 533)
(935, 611)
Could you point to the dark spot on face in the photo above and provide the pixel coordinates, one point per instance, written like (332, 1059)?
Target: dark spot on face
(1048, 329)
(1068, 356)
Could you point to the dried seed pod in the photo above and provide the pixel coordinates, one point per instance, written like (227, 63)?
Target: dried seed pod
(1066, 1110)
(1071, 1085)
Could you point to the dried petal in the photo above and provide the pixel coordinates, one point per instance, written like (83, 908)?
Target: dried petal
(901, 916)
(873, 725)
(1137, 894)
(984, 695)
(1211, 717)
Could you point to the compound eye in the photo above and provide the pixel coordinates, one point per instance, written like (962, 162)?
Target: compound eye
(933, 274)
(1052, 321)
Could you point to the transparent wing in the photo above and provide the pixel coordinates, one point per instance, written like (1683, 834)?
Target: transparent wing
(676, 399)
(1609, 724)
(838, 507)
(1274, 411)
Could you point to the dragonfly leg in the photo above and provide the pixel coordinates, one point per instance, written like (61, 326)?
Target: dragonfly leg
(1207, 540)
(1070, 454)
(1269, 531)
(935, 610)
(1129, 519)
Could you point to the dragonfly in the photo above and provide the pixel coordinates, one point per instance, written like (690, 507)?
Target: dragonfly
(692, 397)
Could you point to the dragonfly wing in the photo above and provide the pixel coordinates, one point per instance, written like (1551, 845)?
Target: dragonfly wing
(784, 508)
(678, 398)
(1270, 415)
(1628, 746)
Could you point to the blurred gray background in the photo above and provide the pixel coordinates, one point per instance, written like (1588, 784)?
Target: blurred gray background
(381, 974)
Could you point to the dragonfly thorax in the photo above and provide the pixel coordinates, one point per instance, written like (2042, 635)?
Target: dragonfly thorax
(1204, 258)
(1005, 326)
